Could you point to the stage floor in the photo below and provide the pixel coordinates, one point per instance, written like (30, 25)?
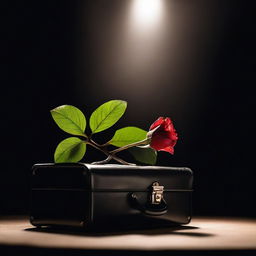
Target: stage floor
(203, 236)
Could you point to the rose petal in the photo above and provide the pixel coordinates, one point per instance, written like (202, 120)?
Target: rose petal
(167, 121)
(168, 149)
(158, 122)
(163, 135)
(160, 141)
(172, 135)
(168, 125)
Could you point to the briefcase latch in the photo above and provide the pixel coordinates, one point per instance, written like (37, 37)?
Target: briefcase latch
(157, 193)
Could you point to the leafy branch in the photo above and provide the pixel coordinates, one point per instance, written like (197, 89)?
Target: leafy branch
(71, 120)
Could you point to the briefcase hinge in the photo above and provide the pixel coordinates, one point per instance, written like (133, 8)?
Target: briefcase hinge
(157, 193)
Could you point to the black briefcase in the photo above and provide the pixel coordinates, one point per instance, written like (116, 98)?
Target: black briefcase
(98, 196)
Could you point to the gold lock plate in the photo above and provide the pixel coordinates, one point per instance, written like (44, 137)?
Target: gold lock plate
(157, 193)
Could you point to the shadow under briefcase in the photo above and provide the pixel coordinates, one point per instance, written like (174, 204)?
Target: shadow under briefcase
(99, 196)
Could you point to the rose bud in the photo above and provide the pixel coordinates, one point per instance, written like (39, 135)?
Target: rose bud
(162, 135)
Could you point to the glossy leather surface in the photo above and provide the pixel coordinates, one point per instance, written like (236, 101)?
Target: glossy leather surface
(99, 195)
(139, 178)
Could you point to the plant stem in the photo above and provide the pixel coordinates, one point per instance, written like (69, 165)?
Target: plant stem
(109, 154)
(84, 135)
(95, 143)
(103, 161)
(142, 142)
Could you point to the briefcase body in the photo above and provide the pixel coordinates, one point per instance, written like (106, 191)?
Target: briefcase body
(98, 196)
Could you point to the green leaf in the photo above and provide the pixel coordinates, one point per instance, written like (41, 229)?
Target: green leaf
(144, 155)
(127, 135)
(70, 150)
(107, 115)
(70, 119)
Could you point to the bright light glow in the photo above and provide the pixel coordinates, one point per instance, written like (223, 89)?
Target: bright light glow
(146, 12)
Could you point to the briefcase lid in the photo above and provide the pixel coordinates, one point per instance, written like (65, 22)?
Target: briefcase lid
(110, 177)
(114, 177)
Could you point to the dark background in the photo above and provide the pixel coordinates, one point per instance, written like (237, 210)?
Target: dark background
(202, 75)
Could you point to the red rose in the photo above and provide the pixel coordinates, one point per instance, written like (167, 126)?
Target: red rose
(163, 135)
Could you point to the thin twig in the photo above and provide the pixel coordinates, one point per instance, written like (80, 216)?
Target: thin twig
(142, 142)
(103, 161)
(109, 154)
